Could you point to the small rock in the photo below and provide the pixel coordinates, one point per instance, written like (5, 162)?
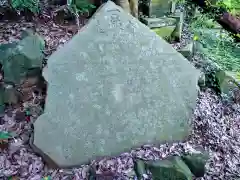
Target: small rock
(187, 51)
(172, 168)
(196, 163)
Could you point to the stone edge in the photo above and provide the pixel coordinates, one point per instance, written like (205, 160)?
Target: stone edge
(54, 165)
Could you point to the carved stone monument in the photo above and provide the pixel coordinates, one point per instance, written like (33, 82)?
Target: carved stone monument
(115, 86)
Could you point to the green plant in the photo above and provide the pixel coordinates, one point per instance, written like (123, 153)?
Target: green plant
(232, 6)
(4, 136)
(22, 5)
(220, 48)
(202, 22)
(79, 6)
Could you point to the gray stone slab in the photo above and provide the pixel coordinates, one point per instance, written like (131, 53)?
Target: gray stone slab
(179, 16)
(158, 22)
(116, 85)
(159, 8)
(187, 51)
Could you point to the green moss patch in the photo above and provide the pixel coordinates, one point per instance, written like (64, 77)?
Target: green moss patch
(164, 32)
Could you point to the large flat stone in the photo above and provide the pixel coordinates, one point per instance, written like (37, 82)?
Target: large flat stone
(164, 27)
(158, 22)
(156, 8)
(159, 8)
(116, 85)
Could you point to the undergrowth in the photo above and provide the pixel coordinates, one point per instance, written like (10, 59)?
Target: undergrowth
(75, 6)
(232, 6)
(21, 5)
(216, 43)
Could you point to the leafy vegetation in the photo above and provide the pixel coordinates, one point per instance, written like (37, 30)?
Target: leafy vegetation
(232, 6)
(4, 137)
(79, 6)
(75, 6)
(21, 5)
(218, 46)
(202, 22)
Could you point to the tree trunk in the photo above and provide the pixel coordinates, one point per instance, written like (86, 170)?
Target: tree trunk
(124, 4)
(222, 16)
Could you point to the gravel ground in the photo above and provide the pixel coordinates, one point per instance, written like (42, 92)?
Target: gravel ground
(216, 129)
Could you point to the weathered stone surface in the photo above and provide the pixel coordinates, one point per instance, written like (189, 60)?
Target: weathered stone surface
(177, 34)
(172, 168)
(173, 7)
(156, 8)
(164, 27)
(159, 8)
(165, 32)
(187, 51)
(196, 163)
(158, 22)
(114, 86)
(19, 58)
(228, 81)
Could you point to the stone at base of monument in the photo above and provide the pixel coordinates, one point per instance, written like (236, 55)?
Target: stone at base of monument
(165, 32)
(179, 16)
(164, 27)
(158, 22)
(187, 51)
(114, 86)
